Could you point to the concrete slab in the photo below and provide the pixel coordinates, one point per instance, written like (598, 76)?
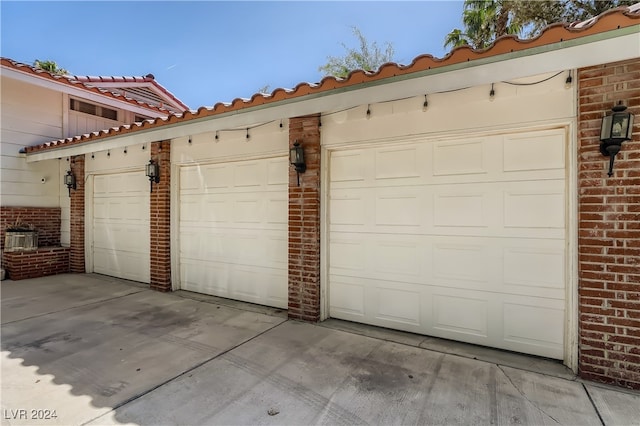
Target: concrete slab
(616, 407)
(40, 296)
(304, 374)
(505, 358)
(92, 354)
(94, 350)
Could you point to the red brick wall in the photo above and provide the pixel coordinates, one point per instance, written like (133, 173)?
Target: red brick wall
(76, 255)
(609, 231)
(38, 263)
(160, 219)
(45, 220)
(304, 223)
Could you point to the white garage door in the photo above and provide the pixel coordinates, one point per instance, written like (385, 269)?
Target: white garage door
(461, 239)
(233, 230)
(121, 225)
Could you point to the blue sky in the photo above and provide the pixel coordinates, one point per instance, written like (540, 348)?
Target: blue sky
(213, 51)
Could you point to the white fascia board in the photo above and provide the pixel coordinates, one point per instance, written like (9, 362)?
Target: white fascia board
(74, 91)
(602, 48)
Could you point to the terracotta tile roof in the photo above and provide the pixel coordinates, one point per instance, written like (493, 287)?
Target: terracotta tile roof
(80, 83)
(135, 88)
(610, 20)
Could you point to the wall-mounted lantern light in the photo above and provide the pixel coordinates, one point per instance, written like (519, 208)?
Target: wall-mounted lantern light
(152, 170)
(296, 158)
(616, 128)
(70, 181)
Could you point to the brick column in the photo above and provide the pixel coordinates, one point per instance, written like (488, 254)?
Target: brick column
(609, 230)
(76, 254)
(304, 223)
(160, 219)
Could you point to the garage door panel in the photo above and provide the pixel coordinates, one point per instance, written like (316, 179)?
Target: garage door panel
(461, 262)
(398, 306)
(347, 298)
(543, 151)
(214, 210)
(460, 315)
(191, 179)
(249, 174)
(277, 210)
(253, 284)
(348, 254)
(399, 207)
(348, 207)
(125, 263)
(535, 329)
(120, 237)
(534, 209)
(216, 177)
(269, 291)
(396, 163)
(462, 209)
(347, 167)
(190, 209)
(450, 246)
(278, 172)
(460, 157)
(237, 246)
(100, 209)
(248, 210)
(397, 258)
(234, 228)
(120, 225)
(99, 186)
(539, 267)
(123, 209)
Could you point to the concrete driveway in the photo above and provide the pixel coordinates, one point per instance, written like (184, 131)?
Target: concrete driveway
(88, 349)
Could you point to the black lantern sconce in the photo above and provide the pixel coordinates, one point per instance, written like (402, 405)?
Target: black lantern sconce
(70, 181)
(152, 170)
(616, 128)
(296, 158)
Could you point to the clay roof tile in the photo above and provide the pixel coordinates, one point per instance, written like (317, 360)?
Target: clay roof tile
(607, 21)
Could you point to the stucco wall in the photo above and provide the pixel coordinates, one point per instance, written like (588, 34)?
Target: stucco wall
(30, 115)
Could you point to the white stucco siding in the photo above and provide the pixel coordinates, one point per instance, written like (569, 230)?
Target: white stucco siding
(264, 140)
(29, 115)
(457, 112)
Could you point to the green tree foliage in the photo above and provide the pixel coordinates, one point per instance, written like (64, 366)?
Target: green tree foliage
(486, 20)
(50, 66)
(265, 90)
(537, 15)
(367, 56)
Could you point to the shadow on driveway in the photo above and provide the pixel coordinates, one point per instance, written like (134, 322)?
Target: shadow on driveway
(96, 350)
(106, 340)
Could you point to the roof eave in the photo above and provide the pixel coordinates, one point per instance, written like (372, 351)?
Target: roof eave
(605, 47)
(78, 91)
